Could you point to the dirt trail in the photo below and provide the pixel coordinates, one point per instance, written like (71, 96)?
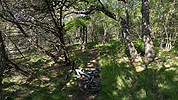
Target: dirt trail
(81, 94)
(93, 58)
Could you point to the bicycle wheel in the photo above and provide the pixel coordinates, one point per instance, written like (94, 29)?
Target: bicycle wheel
(92, 71)
(90, 86)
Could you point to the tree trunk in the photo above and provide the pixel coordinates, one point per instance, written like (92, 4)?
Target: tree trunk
(165, 31)
(64, 49)
(33, 42)
(15, 46)
(82, 38)
(126, 37)
(92, 33)
(149, 51)
(59, 25)
(86, 34)
(125, 29)
(2, 64)
(127, 12)
(76, 36)
(36, 45)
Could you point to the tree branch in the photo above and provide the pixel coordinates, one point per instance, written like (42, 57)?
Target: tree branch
(95, 7)
(125, 1)
(101, 4)
(23, 72)
(14, 45)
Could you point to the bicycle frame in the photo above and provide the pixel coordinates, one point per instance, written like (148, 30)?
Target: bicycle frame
(80, 72)
(87, 76)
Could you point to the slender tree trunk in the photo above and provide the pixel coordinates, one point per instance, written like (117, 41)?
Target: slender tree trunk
(64, 49)
(83, 35)
(105, 33)
(23, 72)
(125, 29)
(36, 45)
(76, 36)
(149, 51)
(2, 64)
(165, 31)
(82, 38)
(33, 42)
(15, 45)
(92, 32)
(59, 24)
(86, 34)
(126, 37)
(175, 35)
(127, 12)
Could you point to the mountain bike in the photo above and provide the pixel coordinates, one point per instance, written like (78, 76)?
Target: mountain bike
(87, 77)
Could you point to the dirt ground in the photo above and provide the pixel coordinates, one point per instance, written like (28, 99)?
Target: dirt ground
(81, 94)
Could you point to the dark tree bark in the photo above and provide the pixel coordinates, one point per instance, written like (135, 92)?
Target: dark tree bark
(2, 63)
(34, 43)
(149, 51)
(92, 33)
(64, 49)
(86, 34)
(125, 28)
(82, 37)
(126, 36)
(15, 46)
(76, 36)
(28, 37)
(127, 11)
(11, 64)
(59, 25)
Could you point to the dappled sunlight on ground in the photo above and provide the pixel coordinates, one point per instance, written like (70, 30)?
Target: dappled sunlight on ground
(121, 78)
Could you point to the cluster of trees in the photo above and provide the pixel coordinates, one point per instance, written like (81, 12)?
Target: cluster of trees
(26, 24)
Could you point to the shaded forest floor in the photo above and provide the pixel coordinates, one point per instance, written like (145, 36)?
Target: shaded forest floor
(120, 78)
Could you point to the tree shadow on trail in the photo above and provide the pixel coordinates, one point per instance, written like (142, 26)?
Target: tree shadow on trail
(123, 82)
(120, 80)
(47, 85)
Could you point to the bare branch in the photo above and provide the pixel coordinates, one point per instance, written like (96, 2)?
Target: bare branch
(125, 1)
(94, 7)
(101, 3)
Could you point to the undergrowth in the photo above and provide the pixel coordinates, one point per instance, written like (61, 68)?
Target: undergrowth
(120, 79)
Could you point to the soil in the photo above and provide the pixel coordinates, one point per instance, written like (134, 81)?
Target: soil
(53, 69)
(81, 94)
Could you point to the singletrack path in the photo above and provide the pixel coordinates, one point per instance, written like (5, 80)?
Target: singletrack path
(81, 94)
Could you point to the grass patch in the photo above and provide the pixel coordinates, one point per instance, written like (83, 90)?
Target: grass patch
(120, 80)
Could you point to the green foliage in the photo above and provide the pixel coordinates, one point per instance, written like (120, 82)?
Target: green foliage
(167, 56)
(123, 81)
(119, 78)
(76, 23)
(47, 85)
(82, 57)
(139, 45)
